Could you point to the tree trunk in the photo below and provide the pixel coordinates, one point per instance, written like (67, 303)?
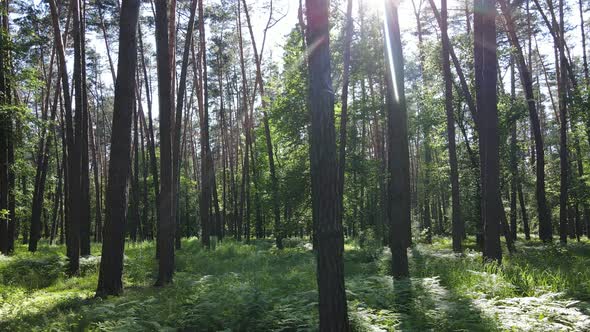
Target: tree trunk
(583, 31)
(330, 268)
(269, 148)
(179, 105)
(166, 223)
(147, 223)
(57, 204)
(399, 206)
(111, 265)
(348, 30)
(205, 202)
(545, 228)
(151, 138)
(484, 29)
(134, 206)
(41, 176)
(73, 170)
(85, 218)
(96, 161)
(457, 229)
(563, 149)
(513, 153)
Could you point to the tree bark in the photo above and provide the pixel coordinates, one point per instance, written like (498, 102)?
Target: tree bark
(150, 134)
(563, 149)
(399, 206)
(330, 240)
(167, 224)
(176, 156)
(514, 179)
(457, 229)
(545, 228)
(583, 32)
(85, 218)
(73, 170)
(202, 93)
(111, 265)
(41, 173)
(269, 148)
(348, 31)
(484, 29)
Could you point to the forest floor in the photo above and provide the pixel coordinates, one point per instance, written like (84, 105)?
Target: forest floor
(239, 287)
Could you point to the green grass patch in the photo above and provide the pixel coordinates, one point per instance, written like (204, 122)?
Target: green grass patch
(255, 287)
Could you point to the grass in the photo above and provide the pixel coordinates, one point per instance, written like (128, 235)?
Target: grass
(255, 287)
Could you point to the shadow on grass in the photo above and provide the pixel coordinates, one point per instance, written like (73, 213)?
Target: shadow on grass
(31, 272)
(452, 311)
(25, 322)
(551, 267)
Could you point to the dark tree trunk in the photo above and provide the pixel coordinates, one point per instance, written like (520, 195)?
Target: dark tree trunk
(563, 149)
(166, 223)
(399, 204)
(464, 85)
(72, 208)
(513, 153)
(202, 93)
(348, 30)
(427, 188)
(457, 229)
(484, 29)
(7, 137)
(584, 54)
(57, 204)
(176, 156)
(64, 207)
(269, 148)
(330, 240)
(96, 162)
(12, 130)
(85, 219)
(523, 212)
(5, 123)
(41, 176)
(244, 189)
(505, 228)
(545, 228)
(146, 221)
(151, 138)
(111, 265)
(134, 206)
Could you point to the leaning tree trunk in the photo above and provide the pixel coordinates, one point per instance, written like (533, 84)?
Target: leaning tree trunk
(269, 148)
(545, 229)
(176, 156)
(111, 265)
(457, 224)
(39, 191)
(73, 170)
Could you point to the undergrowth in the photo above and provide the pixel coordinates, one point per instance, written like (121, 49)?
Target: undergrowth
(255, 287)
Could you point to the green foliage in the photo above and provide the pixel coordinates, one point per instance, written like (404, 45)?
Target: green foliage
(256, 287)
